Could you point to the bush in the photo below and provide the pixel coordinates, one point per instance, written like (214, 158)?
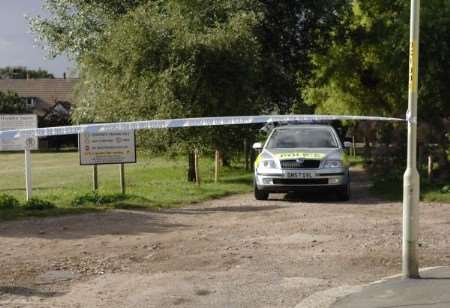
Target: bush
(35, 204)
(95, 198)
(445, 189)
(8, 202)
(386, 160)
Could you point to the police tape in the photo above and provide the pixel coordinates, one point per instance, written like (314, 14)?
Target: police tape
(177, 123)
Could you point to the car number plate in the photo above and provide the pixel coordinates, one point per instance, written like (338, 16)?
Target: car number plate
(296, 175)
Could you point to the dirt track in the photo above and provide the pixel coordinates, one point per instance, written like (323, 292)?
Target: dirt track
(233, 252)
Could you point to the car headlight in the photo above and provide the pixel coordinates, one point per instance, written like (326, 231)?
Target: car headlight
(268, 164)
(333, 164)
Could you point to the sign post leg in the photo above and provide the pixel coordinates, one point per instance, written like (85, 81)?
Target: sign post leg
(28, 179)
(95, 178)
(122, 178)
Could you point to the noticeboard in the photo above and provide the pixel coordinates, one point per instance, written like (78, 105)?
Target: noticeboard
(18, 121)
(107, 148)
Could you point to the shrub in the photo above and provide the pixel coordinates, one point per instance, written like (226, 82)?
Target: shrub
(8, 202)
(445, 189)
(95, 198)
(35, 204)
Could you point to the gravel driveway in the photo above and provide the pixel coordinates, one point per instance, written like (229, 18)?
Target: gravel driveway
(233, 252)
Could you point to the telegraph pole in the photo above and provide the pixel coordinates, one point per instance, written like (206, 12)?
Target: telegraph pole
(411, 180)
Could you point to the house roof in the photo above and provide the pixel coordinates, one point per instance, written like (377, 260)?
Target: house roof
(49, 91)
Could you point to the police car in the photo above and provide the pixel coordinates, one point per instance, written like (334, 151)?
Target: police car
(301, 158)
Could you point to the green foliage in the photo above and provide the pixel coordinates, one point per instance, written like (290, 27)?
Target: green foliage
(11, 103)
(366, 69)
(175, 58)
(8, 202)
(21, 72)
(36, 204)
(97, 199)
(75, 27)
(289, 33)
(445, 189)
(386, 160)
(356, 75)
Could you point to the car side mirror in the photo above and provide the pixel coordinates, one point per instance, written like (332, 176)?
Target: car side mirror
(257, 146)
(348, 144)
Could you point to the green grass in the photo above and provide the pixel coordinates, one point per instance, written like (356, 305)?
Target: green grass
(154, 182)
(354, 161)
(393, 191)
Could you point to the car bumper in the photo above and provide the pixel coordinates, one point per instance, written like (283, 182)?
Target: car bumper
(302, 180)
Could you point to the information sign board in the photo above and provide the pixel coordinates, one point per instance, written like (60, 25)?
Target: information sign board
(107, 148)
(18, 121)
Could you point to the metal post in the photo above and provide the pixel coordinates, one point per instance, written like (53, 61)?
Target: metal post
(411, 186)
(28, 180)
(122, 178)
(95, 178)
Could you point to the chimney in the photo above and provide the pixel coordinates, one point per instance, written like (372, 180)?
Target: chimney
(64, 75)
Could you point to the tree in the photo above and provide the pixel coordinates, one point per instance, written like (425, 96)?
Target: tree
(179, 58)
(75, 27)
(176, 60)
(289, 33)
(21, 72)
(365, 71)
(11, 103)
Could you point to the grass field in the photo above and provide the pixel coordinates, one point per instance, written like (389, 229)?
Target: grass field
(393, 191)
(151, 183)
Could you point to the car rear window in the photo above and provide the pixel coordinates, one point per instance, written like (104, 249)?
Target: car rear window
(302, 138)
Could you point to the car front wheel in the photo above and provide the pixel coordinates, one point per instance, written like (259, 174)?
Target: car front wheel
(344, 193)
(260, 194)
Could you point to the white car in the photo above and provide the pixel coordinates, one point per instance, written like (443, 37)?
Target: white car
(301, 158)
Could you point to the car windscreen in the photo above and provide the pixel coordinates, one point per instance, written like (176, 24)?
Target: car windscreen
(302, 138)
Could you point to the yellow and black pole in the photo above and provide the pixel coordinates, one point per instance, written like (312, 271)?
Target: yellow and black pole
(411, 184)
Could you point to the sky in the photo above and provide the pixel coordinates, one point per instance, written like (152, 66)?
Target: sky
(17, 46)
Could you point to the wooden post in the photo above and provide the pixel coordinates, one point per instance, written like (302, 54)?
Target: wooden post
(354, 146)
(246, 156)
(197, 169)
(430, 167)
(122, 179)
(94, 178)
(28, 181)
(216, 166)
(191, 167)
(252, 159)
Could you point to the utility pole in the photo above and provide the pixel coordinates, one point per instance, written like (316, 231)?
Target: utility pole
(411, 180)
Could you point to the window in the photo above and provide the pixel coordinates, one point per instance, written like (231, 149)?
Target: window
(31, 102)
(302, 137)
